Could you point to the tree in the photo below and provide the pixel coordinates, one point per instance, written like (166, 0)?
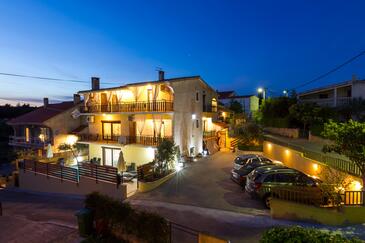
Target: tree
(349, 140)
(250, 133)
(71, 147)
(166, 154)
(274, 112)
(236, 107)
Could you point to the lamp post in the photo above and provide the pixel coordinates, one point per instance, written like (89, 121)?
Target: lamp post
(262, 91)
(285, 93)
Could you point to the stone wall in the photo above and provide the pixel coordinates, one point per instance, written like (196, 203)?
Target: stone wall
(286, 132)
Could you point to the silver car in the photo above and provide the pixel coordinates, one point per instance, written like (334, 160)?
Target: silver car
(243, 159)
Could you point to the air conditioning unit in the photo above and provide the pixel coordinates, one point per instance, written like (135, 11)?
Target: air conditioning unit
(90, 119)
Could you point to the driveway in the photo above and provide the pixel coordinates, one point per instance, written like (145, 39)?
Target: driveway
(206, 183)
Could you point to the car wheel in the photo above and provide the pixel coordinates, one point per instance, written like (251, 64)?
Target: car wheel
(267, 200)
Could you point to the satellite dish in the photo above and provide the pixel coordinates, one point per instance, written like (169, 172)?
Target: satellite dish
(75, 114)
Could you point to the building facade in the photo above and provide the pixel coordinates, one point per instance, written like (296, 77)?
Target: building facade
(335, 95)
(50, 124)
(134, 118)
(249, 103)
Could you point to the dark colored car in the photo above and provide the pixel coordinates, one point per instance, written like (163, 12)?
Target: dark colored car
(262, 180)
(241, 160)
(239, 176)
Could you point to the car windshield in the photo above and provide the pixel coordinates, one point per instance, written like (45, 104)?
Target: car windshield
(240, 161)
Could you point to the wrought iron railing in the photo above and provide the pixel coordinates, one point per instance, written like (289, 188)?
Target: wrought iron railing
(144, 140)
(210, 108)
(143, 106)
(336, 163)
(32, 141)
(209, 134)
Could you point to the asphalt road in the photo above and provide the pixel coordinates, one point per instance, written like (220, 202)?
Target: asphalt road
(206, 183)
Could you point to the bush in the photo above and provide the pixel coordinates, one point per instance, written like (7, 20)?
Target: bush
(299, 234)
(114, 219)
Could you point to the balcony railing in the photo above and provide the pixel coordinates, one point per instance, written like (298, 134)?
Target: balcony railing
(328, 101)
(144, 140)
(210, 108)
(31, 142)
(209, 134)
(145, 106)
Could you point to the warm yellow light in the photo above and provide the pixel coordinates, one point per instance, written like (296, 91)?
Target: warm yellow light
(315, 166)
(224, 114)
(269, 145)
(287, 152)
(356, 186)
(71, 139)
(149, 87)
(41, 137)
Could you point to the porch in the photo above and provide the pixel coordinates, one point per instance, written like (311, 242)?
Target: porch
(115, 139)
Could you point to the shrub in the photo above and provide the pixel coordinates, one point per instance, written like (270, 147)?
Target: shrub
(299, 234)
(114, 219)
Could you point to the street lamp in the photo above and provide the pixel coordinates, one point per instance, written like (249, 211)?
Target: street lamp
(262, 91)
(285, 92)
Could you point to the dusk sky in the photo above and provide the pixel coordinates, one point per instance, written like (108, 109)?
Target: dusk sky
(232, 44)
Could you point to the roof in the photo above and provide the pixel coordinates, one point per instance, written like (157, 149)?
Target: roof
(42, 114)
(150, 82)
(331, 86)
(225, 94)
(237, 97)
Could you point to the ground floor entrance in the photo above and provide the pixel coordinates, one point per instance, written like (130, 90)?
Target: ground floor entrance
(110, 156)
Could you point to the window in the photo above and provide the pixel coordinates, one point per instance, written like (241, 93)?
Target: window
(27, 135)
(197, 123)
(111, 130)
(197, 96)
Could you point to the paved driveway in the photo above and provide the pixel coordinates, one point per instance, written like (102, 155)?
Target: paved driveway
(206, 183)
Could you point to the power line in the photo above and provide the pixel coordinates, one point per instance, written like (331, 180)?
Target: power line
(47, 78)
(332, 70)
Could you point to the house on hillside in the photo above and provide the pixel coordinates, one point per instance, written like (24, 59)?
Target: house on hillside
(134, 118)
(336, 94)
(249, 103)
(50, 124)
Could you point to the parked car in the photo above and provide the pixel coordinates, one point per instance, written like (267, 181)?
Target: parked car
(262, 180)
(239, 176)
(241, 160)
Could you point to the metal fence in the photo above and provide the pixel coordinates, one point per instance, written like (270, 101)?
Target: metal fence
(337, 163)
(89, 170)
(311, 196)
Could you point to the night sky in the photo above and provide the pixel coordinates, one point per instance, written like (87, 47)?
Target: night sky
(232, 44)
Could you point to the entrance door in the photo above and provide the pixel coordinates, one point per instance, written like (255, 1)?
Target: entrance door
(110, 156)
(132, 131)
(111, 130)
(104, 102)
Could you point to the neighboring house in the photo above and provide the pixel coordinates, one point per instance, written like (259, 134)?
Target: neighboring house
(49, 124)
(249, 103)
(134, 118)
(336, 94)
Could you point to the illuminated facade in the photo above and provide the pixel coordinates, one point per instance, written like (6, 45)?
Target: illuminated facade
(50, 124)
(134, 118)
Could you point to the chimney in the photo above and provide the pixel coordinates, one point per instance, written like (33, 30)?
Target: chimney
(95, 83)
(354, 78)
(45, 102)
(161, 75)
(77, 99)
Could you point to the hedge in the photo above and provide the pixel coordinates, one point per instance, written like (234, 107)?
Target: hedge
(244, 147)
(303, 235)
(114, 219)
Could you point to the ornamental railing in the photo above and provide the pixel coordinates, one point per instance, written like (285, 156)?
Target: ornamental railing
(143, 106)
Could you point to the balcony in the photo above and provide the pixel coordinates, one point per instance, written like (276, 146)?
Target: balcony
(210, 108)
(328, 101)
(32, 142)
(113, 139)
(153, 106)
(209, 134)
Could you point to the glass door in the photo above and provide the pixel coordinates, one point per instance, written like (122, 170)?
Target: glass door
(111, 130)
(110, 156)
